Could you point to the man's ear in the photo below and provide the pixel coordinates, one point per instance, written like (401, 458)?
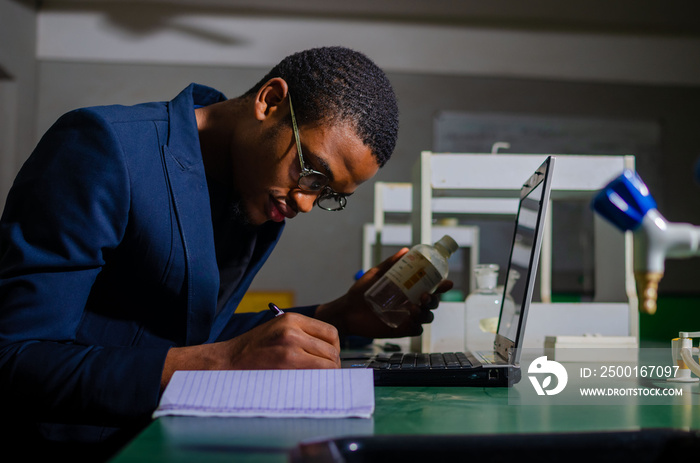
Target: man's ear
(271, 97)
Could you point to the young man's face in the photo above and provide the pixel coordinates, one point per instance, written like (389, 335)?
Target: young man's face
(267, 183)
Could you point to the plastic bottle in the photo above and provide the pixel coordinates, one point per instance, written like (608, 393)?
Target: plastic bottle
(419, 271)
(482, 307)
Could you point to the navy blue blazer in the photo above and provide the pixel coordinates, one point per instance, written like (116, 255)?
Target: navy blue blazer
(107, 260)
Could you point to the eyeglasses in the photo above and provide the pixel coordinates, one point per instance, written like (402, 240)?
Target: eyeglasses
(313, 180)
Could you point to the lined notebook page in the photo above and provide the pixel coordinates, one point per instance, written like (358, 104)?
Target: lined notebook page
(274, 393)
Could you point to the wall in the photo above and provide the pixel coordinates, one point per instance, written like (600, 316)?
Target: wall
(17, 87)
(102, 55)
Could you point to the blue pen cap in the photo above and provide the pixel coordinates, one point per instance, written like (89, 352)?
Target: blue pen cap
(624, 201)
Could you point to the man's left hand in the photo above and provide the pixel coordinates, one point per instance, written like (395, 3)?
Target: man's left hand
(353, 315)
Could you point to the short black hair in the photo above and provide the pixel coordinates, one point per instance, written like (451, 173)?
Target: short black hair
(337, 84)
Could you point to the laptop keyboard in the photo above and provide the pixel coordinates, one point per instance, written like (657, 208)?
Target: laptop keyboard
(415, 361)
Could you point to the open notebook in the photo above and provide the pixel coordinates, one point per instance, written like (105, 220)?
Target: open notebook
(499, 367)
(269, 393)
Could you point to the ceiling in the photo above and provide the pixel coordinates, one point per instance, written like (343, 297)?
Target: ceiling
(668, 17)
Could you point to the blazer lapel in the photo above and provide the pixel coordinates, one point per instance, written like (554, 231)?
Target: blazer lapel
(185, 170)
(191, 202)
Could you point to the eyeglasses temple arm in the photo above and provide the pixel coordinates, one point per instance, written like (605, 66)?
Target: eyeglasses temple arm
(296, 132)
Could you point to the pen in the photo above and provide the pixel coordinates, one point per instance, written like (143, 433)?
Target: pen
(277, 311)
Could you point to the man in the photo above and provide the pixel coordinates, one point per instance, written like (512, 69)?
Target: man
(132, 233)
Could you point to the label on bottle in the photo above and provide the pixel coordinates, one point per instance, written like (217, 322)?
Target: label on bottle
(415, 275)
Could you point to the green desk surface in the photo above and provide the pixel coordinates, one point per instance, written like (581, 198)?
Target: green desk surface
(399, 410)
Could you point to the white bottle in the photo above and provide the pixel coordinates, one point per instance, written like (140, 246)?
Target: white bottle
(419, 271)
(482, 307)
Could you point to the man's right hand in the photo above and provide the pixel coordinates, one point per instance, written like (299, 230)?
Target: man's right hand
(289, 341)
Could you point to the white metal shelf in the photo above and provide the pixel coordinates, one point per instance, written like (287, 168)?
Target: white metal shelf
(469, 183)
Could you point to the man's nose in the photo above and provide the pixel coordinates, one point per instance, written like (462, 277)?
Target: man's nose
(305, 200)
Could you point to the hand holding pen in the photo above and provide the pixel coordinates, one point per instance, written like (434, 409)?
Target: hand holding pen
(316, 331)
(291, 342)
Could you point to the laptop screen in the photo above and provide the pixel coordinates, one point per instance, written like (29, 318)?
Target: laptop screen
(524, 257)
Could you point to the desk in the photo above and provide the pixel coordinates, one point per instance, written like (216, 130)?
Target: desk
(399, 410)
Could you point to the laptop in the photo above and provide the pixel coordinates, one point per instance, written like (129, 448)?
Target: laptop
(500, 366)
